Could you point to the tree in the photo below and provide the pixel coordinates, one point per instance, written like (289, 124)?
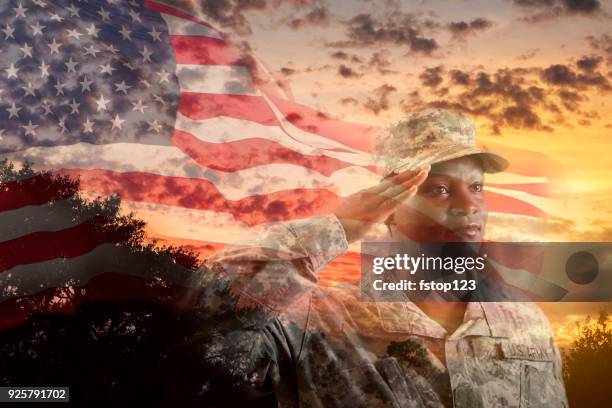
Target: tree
(107, 345)
(588, 364)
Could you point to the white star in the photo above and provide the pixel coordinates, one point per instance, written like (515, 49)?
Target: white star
(55, 46)
(30, 129)
(27, 50)
(20, 11)
(29, 90)
(88, 126)
(91, 51)
(40, 3)
(44, 70)
(71, 65)
(37, 28)
(111, 48)
(125, 33)
(62, 124)
(135, 16)
(92, 30)
(102, 102)
(117, 122)
(138, 106)
(74, 106)
(122, 87)
(8, 32)
(85, 85)
(145, 83)
(106, 69)
(59, 88)
(104, 14)
(134, 3)
(155, 34)
(159, 99)
(74, 34)
(47, 107)
(146, 55)
(2, 134)
(163, 76)
(56, 17)
(11, 71)
(155, 126)
(13, 111)
(73, 10)
(128, 65)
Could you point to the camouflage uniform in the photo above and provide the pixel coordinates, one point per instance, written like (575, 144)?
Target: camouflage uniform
(318, 345)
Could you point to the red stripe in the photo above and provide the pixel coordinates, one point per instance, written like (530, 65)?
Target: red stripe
(246, 153)
(162, 8)
(67, 243)
(505, 204)
(539, 189)
(202, 194)
(107, 286)
(353, 135)
(203, 50)
(245, 107)
(33, 191)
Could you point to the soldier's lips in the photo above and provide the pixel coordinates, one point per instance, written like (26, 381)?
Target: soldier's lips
(468, 232)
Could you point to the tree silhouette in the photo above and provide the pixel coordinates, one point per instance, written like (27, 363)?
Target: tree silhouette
(588, 364)
(136, 340)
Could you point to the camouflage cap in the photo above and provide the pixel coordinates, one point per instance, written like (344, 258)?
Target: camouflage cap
(430, 136)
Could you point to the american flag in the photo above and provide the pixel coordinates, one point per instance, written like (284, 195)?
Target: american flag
(199, 137)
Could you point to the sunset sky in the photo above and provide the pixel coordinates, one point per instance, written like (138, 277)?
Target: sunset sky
(533, 74)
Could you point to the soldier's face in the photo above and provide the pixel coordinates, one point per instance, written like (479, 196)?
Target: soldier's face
(449, 206)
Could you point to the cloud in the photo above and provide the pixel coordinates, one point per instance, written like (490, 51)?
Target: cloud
(432, 77)
(550, 9)
(460, 29)
(347, 72)
(563, 75)
(341, 55)
(319, 16)
(287, 71)
(459, 77)
(380, 61)
(349, 101)
(528, 55)
(602, 43)
(380, 101)
(589, 63)
(399, 29)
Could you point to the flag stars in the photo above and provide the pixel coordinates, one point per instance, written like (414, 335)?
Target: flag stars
(163, 76)
(46, 105)
(8, 32)
(30, 129)
(102, 102)
(55, 47)
(117, 123)
(29, 90)
(20, 11)
(11, 71)
(125, 33)
(155, 34)
(37, 29)
(73, 34)
(27, 50)
(44, 70)
(135, 16)
(105, 15)
(85, 85)
(56, 17)
(92, 30)
(13, 111)
(106, 69)
(138, 106)
(159, 99)
(88, 126)
(74, 106)
(40, 3)
(73, 10)
(146, 55)
(155, 126)
(62, 124)
(122, 87)
(59, 88)
(91, 50)
(71, 65)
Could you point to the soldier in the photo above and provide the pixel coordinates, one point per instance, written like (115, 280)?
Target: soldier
(282, 331)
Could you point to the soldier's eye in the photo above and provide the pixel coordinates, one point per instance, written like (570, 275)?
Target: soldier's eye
(477, 187)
